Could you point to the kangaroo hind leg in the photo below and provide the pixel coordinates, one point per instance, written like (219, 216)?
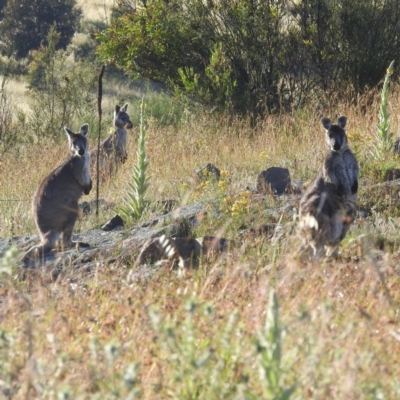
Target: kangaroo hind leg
(67, 236)
(48, 242)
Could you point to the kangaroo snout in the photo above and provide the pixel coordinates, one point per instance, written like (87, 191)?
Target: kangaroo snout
(81, 152)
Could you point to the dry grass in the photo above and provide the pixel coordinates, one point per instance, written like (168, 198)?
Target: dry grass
(81, 335)
(97, 9)
(294, 141)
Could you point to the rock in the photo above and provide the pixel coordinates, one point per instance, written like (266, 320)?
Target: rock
(115, 247)
(275, 179)
(208, 171)
(113, 223)
(132, 248)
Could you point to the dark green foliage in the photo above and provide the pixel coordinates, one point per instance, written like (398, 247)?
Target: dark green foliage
(254, 55)
(185, 45)
(370, 39)
(26, 24)
(2, 5)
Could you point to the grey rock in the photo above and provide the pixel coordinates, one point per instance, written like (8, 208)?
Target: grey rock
(112, 247)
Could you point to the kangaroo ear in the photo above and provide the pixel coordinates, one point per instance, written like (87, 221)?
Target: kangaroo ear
(327, 123)
(84, 129)
(70, 134)
(342, 121)
(117, 108)
(68, 131)
(125, 107)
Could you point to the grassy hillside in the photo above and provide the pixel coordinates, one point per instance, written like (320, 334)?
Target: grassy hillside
(96, 9)
(216, 332)
(109, 334)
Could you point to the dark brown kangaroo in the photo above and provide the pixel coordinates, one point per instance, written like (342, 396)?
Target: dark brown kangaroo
(55, 202)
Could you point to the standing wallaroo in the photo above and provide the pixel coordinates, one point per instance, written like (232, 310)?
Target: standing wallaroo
(113, 149)
(55, 203)
(328, 205)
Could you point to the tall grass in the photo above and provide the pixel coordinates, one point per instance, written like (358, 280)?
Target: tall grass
(217, 331)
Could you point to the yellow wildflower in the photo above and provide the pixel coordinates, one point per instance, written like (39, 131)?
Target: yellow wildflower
(225, 174)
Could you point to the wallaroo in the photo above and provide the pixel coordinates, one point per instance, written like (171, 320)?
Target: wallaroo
(55, 202)
(328, 205)
(113, 149)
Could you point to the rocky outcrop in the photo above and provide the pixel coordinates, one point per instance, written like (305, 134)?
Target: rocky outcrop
(163, 238)
(166, 238)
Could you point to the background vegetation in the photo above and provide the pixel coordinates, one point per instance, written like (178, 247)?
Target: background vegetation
(255, 55)
(25, 25)
(261, 322)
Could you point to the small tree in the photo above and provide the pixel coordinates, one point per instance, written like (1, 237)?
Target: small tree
(26, 24)
(62, 92)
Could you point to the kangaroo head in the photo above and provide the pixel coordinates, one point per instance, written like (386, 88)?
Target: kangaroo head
(335, 134)
(121, 118)
(78, 144)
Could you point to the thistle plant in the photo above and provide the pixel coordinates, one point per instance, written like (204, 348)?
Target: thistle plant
(134, 201)
(383, 138)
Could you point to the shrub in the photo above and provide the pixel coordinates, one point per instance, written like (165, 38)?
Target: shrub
(62, 91)
(254, 56)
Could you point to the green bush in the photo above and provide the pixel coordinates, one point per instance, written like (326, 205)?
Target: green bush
(254, 56)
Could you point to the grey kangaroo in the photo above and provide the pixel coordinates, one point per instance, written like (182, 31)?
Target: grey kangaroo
(113, 149)
(328, 205)
(340, 164)
(55, 202)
